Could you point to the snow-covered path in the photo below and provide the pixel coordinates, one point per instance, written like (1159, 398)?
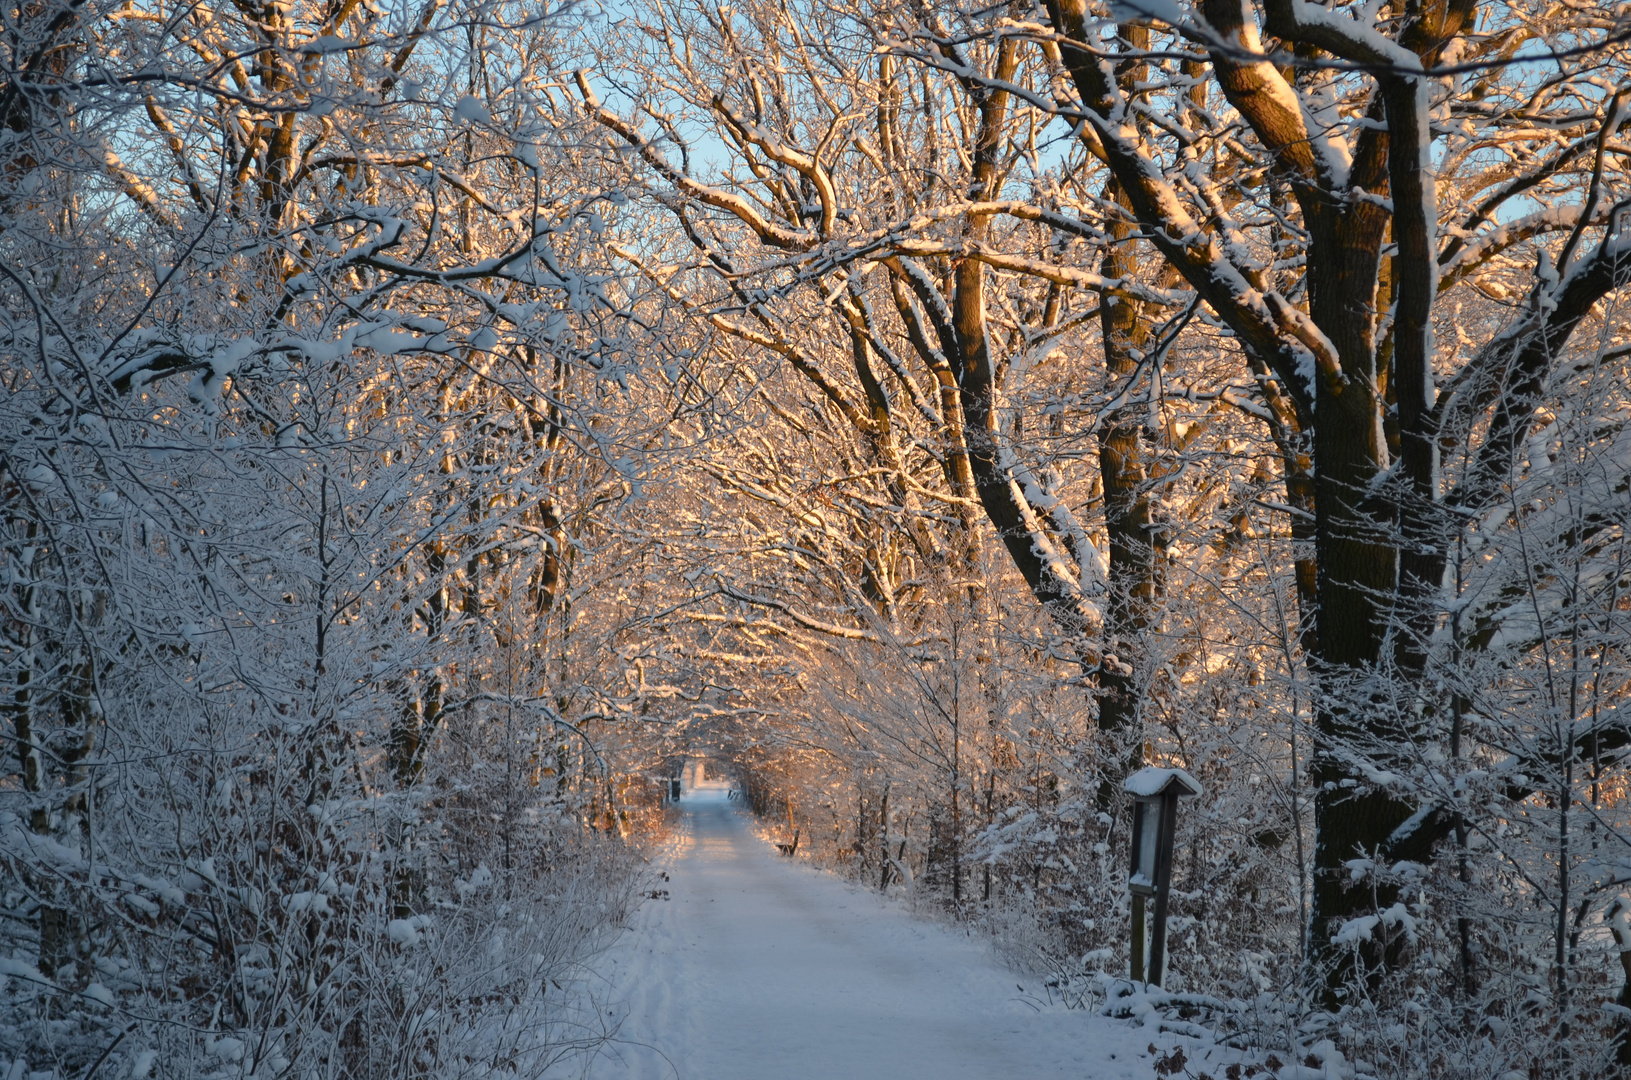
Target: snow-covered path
(762, 969)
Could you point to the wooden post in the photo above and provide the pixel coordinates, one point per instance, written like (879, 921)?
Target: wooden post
(1138, 937)
(1163, 885)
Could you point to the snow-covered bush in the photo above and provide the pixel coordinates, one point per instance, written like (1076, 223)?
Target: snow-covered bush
(242, 841)
(306, 473)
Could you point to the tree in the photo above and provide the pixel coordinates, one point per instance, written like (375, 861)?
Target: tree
(1342, 180)
(303, 366)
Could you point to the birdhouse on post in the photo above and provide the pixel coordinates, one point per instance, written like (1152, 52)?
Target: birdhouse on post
(1155, 795)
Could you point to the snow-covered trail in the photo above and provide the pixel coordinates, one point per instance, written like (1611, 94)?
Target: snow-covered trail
(759, 968)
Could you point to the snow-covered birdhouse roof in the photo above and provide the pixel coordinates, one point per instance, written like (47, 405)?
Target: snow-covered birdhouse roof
(1147, 783)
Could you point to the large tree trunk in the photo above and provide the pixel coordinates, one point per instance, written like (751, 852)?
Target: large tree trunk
(1133, 568)
(1353, 534)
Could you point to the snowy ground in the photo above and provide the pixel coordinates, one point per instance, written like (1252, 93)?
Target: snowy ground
(759, 968)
